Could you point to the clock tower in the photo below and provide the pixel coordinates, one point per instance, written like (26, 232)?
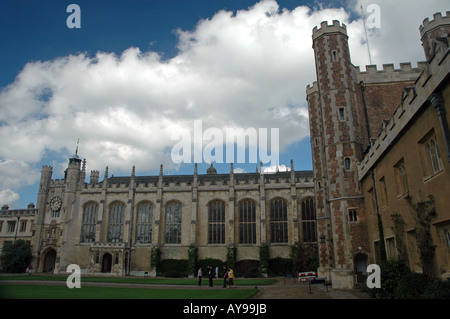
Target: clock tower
(58, 209)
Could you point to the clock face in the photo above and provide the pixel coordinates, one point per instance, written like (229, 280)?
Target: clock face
(55, 203)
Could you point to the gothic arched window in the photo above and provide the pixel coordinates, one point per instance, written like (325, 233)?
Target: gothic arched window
(216, 222)
(115, 222)
(278, 221)
(247, 222)
(308, 220)
(89, 222)
(173, 223)
(144, 223)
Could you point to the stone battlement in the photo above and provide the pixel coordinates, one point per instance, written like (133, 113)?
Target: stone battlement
(311, 88)
(372, 75)
(180, 181)
(438, 20)
(326, 28)
(390, 74)
(413, 98)
(27, 212)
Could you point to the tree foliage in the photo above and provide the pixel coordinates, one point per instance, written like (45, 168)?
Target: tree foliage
(16, 256)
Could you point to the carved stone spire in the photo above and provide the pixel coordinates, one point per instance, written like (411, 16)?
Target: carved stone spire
(211, 169)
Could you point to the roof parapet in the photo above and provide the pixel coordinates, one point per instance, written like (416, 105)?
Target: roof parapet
(438, 19)
(311, 88)
(326, 28)
(389, 73)
(414, 97)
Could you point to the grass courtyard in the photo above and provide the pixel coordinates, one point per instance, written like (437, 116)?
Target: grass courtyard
(21, 291)
(16, 287)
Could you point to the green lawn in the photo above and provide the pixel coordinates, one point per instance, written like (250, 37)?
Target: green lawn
(20, 291)
(38, 291)
(141, 280)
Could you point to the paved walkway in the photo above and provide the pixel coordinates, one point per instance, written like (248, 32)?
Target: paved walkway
(290, 288)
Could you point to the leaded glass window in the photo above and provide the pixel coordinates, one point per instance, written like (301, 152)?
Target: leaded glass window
(144, 223)
(216, 222)
(247, 222)
(308, 220)
(115, 223)
(89, 222)
(173, 223)
(278, 221)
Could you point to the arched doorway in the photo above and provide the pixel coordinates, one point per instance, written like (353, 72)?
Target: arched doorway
(106, 262)
(360, 263)
(49, 261)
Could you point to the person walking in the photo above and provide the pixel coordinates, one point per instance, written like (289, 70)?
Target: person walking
(199, 275)
(231, 278)
(225, 277)
(29, 270)
(210, 275)
(217, 272)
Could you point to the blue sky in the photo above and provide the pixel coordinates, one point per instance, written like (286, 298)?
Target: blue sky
(139, 70)
(36, 30)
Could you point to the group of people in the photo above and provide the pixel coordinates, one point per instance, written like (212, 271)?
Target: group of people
(228, 276)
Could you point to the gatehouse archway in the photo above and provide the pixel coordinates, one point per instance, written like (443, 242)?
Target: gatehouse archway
(360, 263)
(49, 261)
(106, 262)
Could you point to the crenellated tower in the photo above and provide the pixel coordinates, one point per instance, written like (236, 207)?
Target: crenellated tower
(435, 33)
(42, 198)
(74, 179)
(337, 125)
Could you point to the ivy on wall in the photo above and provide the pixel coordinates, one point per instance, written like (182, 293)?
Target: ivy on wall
(423, 212)
(192, 260)
(263, 258)
(155, 258)
(399, 233)
(231, 257)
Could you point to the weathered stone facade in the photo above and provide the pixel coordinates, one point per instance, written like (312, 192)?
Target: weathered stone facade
(89, 233)
(349, 110)
(411, 158)
(17, 224)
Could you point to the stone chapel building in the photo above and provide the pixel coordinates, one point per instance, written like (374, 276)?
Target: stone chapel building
(110, 225)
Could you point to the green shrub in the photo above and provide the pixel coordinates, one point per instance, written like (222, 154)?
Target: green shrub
(248, 268)
(437, 289)
(280, 266)
(174, 268)
(304, 257)
(411, 286)
(314, 262)
(391, 272)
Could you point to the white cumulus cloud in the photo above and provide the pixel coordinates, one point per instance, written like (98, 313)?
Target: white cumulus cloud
(236, 69)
